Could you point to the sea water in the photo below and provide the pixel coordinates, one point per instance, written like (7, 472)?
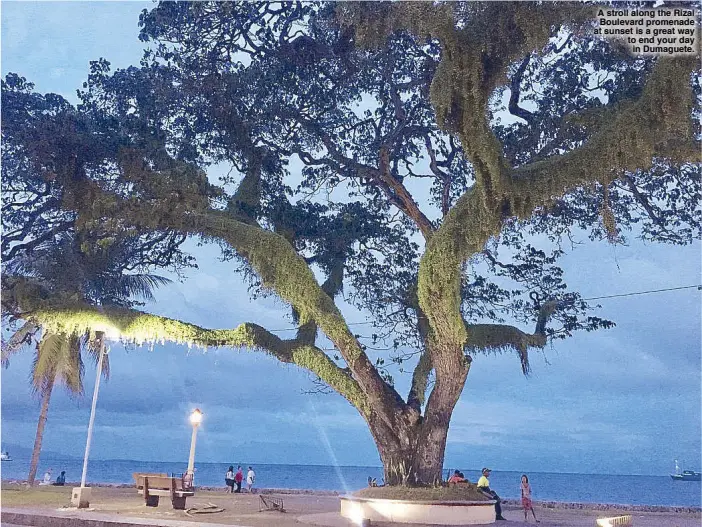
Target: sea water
(546, 486)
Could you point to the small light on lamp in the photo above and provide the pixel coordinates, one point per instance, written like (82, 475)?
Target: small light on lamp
(196, 417)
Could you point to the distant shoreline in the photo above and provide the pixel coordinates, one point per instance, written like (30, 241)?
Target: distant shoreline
(508, 502)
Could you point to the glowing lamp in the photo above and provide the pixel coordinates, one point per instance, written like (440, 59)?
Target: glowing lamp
(196, 417)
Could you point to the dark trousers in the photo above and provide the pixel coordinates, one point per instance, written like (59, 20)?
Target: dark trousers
(498, 506)
(238, 486)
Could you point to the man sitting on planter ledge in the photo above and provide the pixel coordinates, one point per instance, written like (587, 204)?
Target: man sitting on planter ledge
(484, 487)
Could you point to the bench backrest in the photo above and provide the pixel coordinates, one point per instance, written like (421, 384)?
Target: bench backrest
(161, 482)
(139, 478)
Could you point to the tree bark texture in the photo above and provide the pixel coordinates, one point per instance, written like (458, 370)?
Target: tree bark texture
(45, 398)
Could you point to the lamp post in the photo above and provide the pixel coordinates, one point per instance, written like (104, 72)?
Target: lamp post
(81, 495)
(195, 420)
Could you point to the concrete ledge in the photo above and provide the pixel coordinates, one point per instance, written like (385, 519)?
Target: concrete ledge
(74, 518)
(407, 511)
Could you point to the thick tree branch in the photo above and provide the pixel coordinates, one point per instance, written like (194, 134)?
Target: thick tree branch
(658, 124)
(402, 198)
(277, 264)
(420, 380)
(515, 92)
(420, 376)
(60, 315)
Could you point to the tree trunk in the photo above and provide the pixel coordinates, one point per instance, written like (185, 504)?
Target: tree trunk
(45, 397)
(422, 463)
(414, 455)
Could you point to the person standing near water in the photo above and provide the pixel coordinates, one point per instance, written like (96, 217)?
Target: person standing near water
(526, 497)
(250, 478)
(238, 478)
(229, 479)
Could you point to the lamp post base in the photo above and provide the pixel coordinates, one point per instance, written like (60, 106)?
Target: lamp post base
(80, 497)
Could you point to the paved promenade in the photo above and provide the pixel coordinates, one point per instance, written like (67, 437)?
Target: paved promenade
(123, 507)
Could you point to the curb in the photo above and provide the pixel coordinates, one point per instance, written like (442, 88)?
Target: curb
(73, 518)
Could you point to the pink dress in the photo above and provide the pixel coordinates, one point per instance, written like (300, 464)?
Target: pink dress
(526, 496)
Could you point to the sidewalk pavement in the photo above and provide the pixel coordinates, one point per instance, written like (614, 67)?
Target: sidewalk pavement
(71, 517)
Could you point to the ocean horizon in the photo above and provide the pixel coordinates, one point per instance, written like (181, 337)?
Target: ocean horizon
(619, 489)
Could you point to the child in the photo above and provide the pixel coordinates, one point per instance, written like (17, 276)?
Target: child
(526, 498)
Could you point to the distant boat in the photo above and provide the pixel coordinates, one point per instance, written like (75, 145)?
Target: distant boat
(5, 456)
(685, 475)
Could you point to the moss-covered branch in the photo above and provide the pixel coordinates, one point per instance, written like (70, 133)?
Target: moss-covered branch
(278, 265)
(420, 380)
(58, 316)
(420, 376)
(495, 337)
(465, 230)
(656, 125)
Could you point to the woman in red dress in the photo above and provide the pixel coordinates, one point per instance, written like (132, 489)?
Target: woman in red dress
(526, 498)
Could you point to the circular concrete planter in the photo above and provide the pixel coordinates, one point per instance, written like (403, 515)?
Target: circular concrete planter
(407, 511)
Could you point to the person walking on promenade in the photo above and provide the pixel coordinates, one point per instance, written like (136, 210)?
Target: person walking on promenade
(484, 487)
(250, 478)
(238, 478)
(229, 479)
(526, 498)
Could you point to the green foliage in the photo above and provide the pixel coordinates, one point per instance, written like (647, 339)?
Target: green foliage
(58, 357)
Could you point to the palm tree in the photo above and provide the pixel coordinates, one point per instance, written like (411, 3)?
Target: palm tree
(58, 360)
(64, 266)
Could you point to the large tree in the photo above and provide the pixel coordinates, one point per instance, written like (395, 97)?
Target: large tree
(368, 145)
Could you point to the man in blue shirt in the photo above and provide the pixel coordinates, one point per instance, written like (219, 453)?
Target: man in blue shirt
(61, 479)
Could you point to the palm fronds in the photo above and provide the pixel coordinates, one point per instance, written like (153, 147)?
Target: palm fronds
(19, 338)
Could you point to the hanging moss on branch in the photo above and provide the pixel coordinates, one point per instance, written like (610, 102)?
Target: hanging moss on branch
(656, 125)
(130, 325)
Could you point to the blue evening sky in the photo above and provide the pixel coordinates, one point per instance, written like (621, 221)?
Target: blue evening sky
(625, 400)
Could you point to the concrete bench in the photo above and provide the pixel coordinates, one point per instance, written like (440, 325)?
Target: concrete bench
(153, 486)
(615, 521)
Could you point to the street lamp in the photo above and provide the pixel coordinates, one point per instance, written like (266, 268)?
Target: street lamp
(195, 420)
(81, 495)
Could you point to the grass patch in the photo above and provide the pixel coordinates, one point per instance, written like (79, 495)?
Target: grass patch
(466, 492)
(15, 495)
